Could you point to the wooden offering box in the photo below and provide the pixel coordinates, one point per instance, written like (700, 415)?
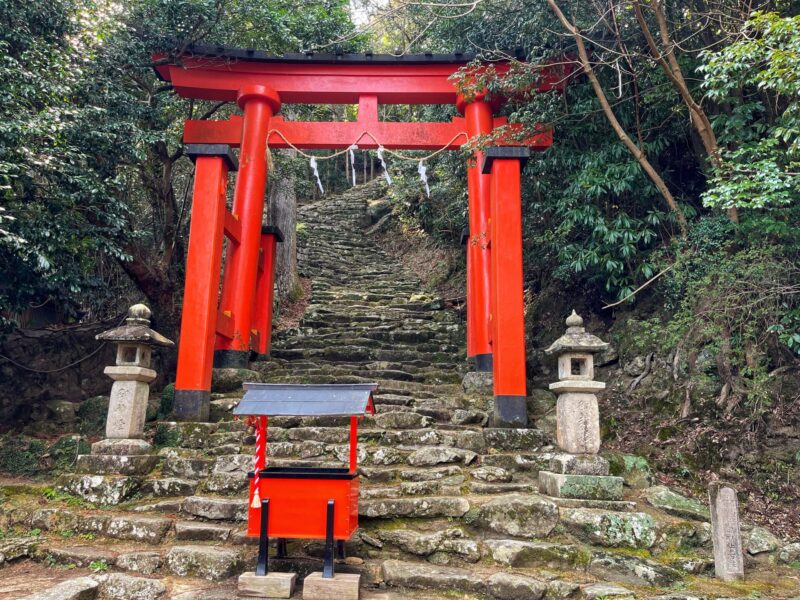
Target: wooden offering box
(303, 502)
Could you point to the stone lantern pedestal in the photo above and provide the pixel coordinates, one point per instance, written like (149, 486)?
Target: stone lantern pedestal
(579, 472)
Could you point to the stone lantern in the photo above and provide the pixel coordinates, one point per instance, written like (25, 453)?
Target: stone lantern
(577, 415)
(132, 376)
(578, 472)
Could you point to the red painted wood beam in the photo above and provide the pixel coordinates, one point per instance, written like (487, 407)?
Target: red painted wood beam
(220, 79)
(340, 135)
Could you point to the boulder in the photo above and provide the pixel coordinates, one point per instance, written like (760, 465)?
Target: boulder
(150, 530)
(790, 554)
(506, 586)
(477, 383)
(145, 563)
(523, 554)
(635, 530)
(602, 591)
(632, 570)
(207, 562)
(519, 515)
(414, 507)
(673, 503)
(119, 586)
(216, 508)
(80, 588)
(426, 576)
(761, 541)
(491, 474)
(231, 380)
(634, 470)
(99, 489)
(402, 420)
(426, 457)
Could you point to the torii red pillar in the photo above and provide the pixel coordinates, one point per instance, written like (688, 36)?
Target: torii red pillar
(258, 103)
(508, 309)
(479, 122)
(199, 318)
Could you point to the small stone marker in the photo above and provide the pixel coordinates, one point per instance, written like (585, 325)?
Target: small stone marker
(271, 585)
(342, 586)
(728, 557)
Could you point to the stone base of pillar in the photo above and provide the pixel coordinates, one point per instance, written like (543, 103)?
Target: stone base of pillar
(510, 411)
(484, 363)
(192, 405)
(589, 487)
(231, 359)
(580, 477)
(126, 447)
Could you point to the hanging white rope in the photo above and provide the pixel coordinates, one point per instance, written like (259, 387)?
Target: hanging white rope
(383, 164)
(313, 163)
(423, 175)
(421, 169)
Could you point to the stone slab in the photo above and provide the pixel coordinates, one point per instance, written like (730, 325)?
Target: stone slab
(129, 447)
(579, 464)
(615, 505)
(80, 588)
(342, 586)
(725, 533)
(592, 487)
(121, 464)
(272, 585)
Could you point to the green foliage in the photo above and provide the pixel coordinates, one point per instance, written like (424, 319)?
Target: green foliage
(93, 182)
(64, 452)
(167, 401)
(98, 566)
(92, 414)
(20, 455)
(758, 78)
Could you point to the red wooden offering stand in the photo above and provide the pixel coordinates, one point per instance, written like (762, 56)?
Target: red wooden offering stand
(303, 502)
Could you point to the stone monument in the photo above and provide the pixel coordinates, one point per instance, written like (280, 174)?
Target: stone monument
(728, 557)
(132, 375)
(579, 472)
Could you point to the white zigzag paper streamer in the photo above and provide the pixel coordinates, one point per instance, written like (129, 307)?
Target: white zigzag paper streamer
(423, 175)
(383, 164)
(313, 163)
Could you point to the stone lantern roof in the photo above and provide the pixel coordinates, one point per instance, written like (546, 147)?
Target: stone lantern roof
(576, 339)
(136, 330)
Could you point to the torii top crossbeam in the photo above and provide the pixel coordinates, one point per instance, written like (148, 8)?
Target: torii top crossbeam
(216, 73)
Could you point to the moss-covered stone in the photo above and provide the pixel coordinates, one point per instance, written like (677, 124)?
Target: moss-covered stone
(633, 530)
(673, 503)
(635, 470)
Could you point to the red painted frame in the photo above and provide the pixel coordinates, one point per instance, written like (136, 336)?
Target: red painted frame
(259, 86)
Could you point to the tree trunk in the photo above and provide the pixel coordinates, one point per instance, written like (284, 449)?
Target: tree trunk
(637, 152)
(282, 212)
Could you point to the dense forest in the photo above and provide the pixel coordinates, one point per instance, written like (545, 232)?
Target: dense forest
(668, 206)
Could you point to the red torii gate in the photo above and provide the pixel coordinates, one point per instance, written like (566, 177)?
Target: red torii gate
(222, 329)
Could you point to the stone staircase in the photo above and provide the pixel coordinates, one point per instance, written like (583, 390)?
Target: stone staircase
(449, 505)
